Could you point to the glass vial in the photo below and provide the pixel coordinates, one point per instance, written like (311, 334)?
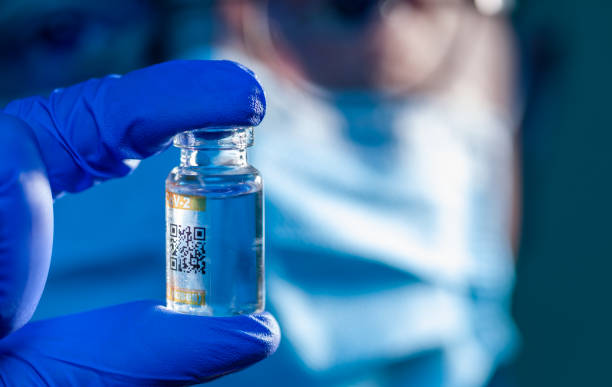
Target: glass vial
(214, 225)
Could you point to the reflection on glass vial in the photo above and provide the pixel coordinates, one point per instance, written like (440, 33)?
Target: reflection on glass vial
(214, 225)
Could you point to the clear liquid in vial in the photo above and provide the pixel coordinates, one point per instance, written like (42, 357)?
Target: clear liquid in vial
(214, 263)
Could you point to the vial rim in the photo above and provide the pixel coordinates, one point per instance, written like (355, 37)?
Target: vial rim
(221, 138)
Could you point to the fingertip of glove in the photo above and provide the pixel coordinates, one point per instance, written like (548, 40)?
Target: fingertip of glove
(242, 92)
(271, 325)
(266, 330)
(255, 110)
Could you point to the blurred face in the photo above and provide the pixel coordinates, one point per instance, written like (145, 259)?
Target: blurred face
(366, 44)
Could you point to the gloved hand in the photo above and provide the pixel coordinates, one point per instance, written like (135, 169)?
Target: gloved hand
(79, 136)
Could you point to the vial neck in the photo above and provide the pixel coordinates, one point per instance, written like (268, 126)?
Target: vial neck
(214, 147)
(212, 158)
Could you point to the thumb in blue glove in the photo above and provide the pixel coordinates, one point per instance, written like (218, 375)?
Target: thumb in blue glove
(65, 143)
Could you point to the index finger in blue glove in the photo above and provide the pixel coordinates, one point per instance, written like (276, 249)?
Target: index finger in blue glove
(87, 131)
(138, 343)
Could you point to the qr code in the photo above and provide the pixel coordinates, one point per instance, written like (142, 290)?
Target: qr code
(186, 248)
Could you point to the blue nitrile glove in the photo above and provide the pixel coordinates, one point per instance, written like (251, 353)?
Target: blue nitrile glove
(81, 135)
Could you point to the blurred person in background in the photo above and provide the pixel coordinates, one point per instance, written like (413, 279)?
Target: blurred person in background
(388, 157)
(388, 153)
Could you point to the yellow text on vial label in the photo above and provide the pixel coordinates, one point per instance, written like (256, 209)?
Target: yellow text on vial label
(185, 202)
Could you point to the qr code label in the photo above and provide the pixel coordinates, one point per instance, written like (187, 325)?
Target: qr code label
(186, 248)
